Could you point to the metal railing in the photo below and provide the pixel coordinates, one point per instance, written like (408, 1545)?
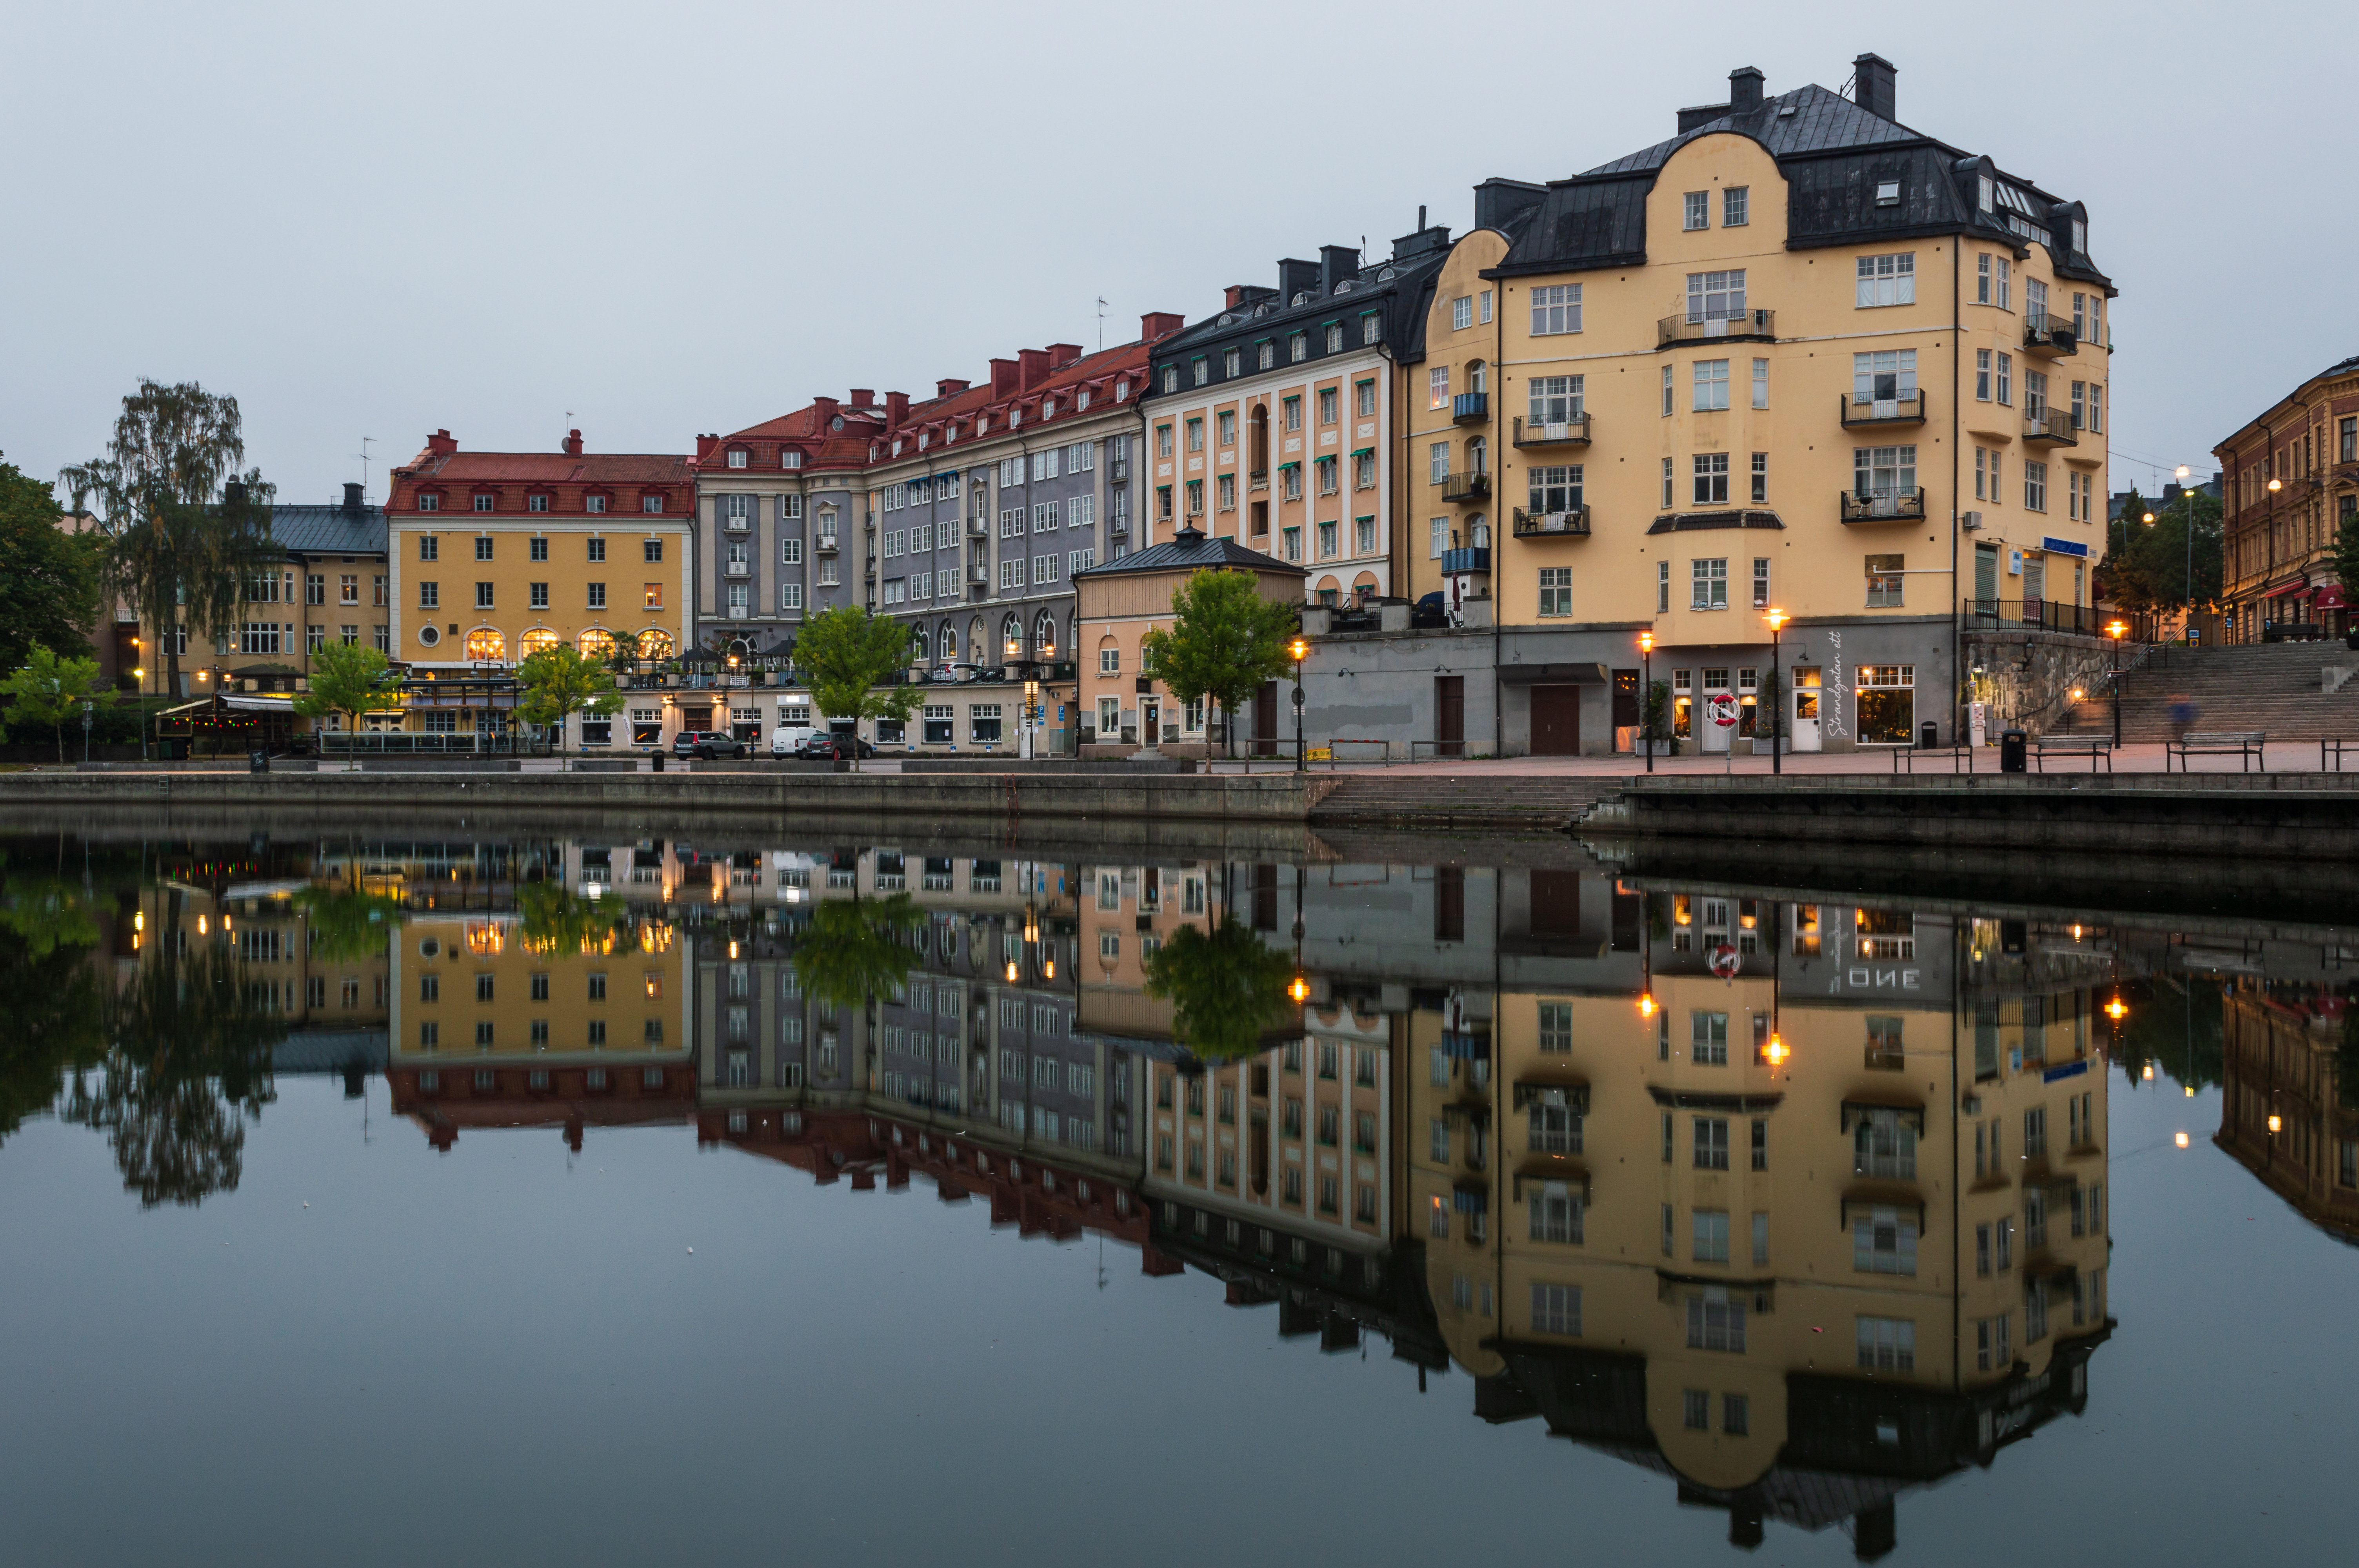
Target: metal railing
(1470, 407)
(1440, 750)
(2030, 615)
(1905, 506)
(1745, 324)
(2051, 427)
(2045, 332)
(1909, 410)
(1573, 525)
(1466, 558)
(1537, 433)
(1474, 486)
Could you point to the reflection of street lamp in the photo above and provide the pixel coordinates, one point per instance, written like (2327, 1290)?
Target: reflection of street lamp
(1776, 618)
(1647, 697)
(1298, 650)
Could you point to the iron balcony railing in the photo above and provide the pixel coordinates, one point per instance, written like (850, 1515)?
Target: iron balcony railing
(1118, 471)
(2029, 614)
(1552, 525)
(2050, 427)
(1906, 505)
(1466, 558)
(1470, 407)
(1742, 324)
(1475, 486)
(825, 544)
(2049, 335)
(1572, 432)
(1904, 410)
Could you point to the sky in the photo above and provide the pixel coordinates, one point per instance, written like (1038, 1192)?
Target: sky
(374, 221)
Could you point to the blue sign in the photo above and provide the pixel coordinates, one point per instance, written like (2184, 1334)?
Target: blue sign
(2068, 1070)
(2064, 547)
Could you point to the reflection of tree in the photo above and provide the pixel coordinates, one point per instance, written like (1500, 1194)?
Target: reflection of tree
(557, 920)
(2177, 1025)
(1226, 989)
(850, 950)
(346, 925)
(189, 1065)
(48, 994)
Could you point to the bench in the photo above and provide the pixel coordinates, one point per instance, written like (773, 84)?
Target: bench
(2331, 749)
(2245, 744)
(1959, 758)
(2092, 746)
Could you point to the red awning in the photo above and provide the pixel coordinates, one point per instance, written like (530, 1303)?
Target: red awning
(2329, 597)
(2288, 588)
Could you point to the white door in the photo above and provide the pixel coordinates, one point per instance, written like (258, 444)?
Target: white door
(1806, 708)
(1715, 737)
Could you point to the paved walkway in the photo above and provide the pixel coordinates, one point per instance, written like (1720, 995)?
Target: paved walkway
(2287, 757)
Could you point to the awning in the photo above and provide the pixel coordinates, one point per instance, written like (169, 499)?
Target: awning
(2329, 597)
(250, 704)
(2288, 588)
(1855, 1111)
(1363, 452)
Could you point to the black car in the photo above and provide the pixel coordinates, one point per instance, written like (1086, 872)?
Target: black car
(834, 748)
(708, 744)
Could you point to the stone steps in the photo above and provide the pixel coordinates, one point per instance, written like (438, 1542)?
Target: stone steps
(2272, 688)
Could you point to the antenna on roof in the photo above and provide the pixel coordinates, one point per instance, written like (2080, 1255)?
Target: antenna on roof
(364, 457)
(1100, 323)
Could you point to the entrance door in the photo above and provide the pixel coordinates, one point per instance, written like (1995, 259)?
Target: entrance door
(1449, 715)
(1806, 708)
(1151, 721)
(1556, 721)
(1627, 718)
(1986, 575)
(1265, 719)
(1712, 738)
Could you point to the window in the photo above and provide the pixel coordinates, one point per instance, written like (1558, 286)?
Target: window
(1982, 376)
(2035, 486)
(1885, 581)
(1716, 1322)
(1297, 346)
(1735, 204)
(1760, 384)
(429, 596)
(1711, 385)
(1711, 478)
(1556, 487)
(1334, 346)
(1708, 1032)
(1883, 1241)
(1294, 413)
(1669, 375)
(597, 549)
(2006, 377)
(1716, 295)
(1556, 1309)
(1663, 569)
(1556, 400)
(1372, 328)
(484, 596)
(1437, 387)
(1710, 1236)
(1760, 491)
(651, 549)
(652, 503)
(1556, 592)
(1695, 1410)
(429, 503)
(483, 503)
(1438, 461)
(1696, 209)
(1711, 1142)
(1887, 280)
(1883, 375)
(1556, 308)
(1886, 474)
(1887, 1345)
(539, 592)
(1708, 584)
(1462, 312)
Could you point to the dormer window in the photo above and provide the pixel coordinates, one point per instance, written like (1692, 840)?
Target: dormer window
(790, 457)
(1015, 417)
(1122, 392)
(896, 446)
(2081, 236)
(1888, 193)
(924, 436)
(536, 503)
(1049, 409)
(652, 503)
(482, 503)
(1203, 370)
(982, 423)
(595, 503)
(1170, 378)
(736, 457)
(430, 503)
(1081, 400)
(1297, 347)
(1986, 202)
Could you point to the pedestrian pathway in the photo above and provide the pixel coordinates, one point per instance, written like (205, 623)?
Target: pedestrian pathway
(2287, 757)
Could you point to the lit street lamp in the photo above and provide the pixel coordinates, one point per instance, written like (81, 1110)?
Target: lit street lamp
(1646, 696)
(1776, 618)
(1298, 650)
(2115, 629)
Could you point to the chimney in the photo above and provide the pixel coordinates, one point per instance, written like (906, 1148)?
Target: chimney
(442, 441)
(950, 386)
(1031, 368)
(1338, 263)
(825, 412)
(704, 445)
(1744, 89)
(1003, 377)
(1294, 278)
(863, 397)
(353, 501)
(1232, 297)
(1702, 115)
(572, 443)
(1063, 354)
(896, 409)
(1159, 324)
(1874, 92)
(1499, 202)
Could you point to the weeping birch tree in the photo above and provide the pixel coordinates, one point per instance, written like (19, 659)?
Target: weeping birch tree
(185, 529)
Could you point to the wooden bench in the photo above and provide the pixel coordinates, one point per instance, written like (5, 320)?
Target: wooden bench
(2091, 746)
(1959, 758)
(2245, 744)
(2333, 748)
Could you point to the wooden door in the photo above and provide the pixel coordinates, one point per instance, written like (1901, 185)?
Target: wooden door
(1449, 715)
(1265, 719)
(1556, 721)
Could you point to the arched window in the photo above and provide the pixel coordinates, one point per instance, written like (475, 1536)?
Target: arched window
(1478, 377)
(918, 644)
(596, 643)
(1044, 637)
(1478, 455)
(975, 641)
(540, 640)
(655, 644)
(1011, 638)
(1258, 442)
(486, 645)
(949, 643)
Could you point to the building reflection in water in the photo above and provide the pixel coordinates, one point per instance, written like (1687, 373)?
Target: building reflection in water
(2290, 1065)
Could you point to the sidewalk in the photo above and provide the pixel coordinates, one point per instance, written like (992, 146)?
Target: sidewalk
(2291, 757)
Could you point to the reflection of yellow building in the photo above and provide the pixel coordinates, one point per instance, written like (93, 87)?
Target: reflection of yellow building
(260, 923)
(2283, 1115)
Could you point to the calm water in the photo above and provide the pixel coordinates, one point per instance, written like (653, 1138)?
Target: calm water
(507, 1198)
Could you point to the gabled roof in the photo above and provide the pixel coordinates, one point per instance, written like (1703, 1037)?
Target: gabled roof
(1192, 551)
(328, 530)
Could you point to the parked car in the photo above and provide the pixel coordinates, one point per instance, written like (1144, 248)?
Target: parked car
(788, 739)
(824, 748)
(707, 743)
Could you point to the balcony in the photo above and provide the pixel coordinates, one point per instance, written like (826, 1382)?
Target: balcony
(1468, 558)
(737, 569)
(978, 577)
(1904, 410)
(1572, 432)
(1257, 479)
(1572, 524)
(736, 524)
(1463, 487)
(2050, 427)
(1470, 408)
(1118, 471)
(978, 528)
(1758, 325)
(2049, 335)
(1908, 506)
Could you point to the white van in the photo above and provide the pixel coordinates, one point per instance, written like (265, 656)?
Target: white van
(787, 739)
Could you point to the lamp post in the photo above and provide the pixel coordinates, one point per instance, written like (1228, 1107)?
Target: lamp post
(1776, 618)
(2115, 629)
(2187, 506)
(1298, 650)
(1646, 696)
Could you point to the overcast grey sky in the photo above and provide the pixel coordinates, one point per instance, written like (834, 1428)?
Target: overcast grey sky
(374, 220)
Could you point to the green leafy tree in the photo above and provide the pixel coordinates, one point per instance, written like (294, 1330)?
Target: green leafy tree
(49, 993)
(1225, 640)
(48, 576)
(851, 654)
(560, 682)
(851, 949)
(350, 680)
(345, 924)
(2156, 574)
(2346, 553)
(49, 690)
(185, 532)
(1227, 988)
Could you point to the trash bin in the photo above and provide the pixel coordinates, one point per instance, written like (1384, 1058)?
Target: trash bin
(257, 762)
(1929, 735)
(2012, 750)
(659, 761)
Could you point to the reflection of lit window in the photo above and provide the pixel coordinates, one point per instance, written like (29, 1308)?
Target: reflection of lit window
(655, 986)
(483, 936)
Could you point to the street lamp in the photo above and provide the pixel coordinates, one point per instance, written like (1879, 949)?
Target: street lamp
(1298, 650)
(1776, 618)
(1646, 698)
(2187, 505)
(2115, 629)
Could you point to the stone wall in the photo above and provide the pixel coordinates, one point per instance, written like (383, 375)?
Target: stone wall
(2028, 677)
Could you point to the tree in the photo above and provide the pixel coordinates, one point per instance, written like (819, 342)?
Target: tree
(2147, 564)
(48, 576)
(350, 680)
(1226, 989)
(851, 654)
(345, 924)
(558, 683)
(49, 690)
(1225, 641)
(49, 993)
(184, 530)
(2347, 558)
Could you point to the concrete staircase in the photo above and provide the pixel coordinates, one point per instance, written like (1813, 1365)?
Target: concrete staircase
(2274, 687)
(1380, 797)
